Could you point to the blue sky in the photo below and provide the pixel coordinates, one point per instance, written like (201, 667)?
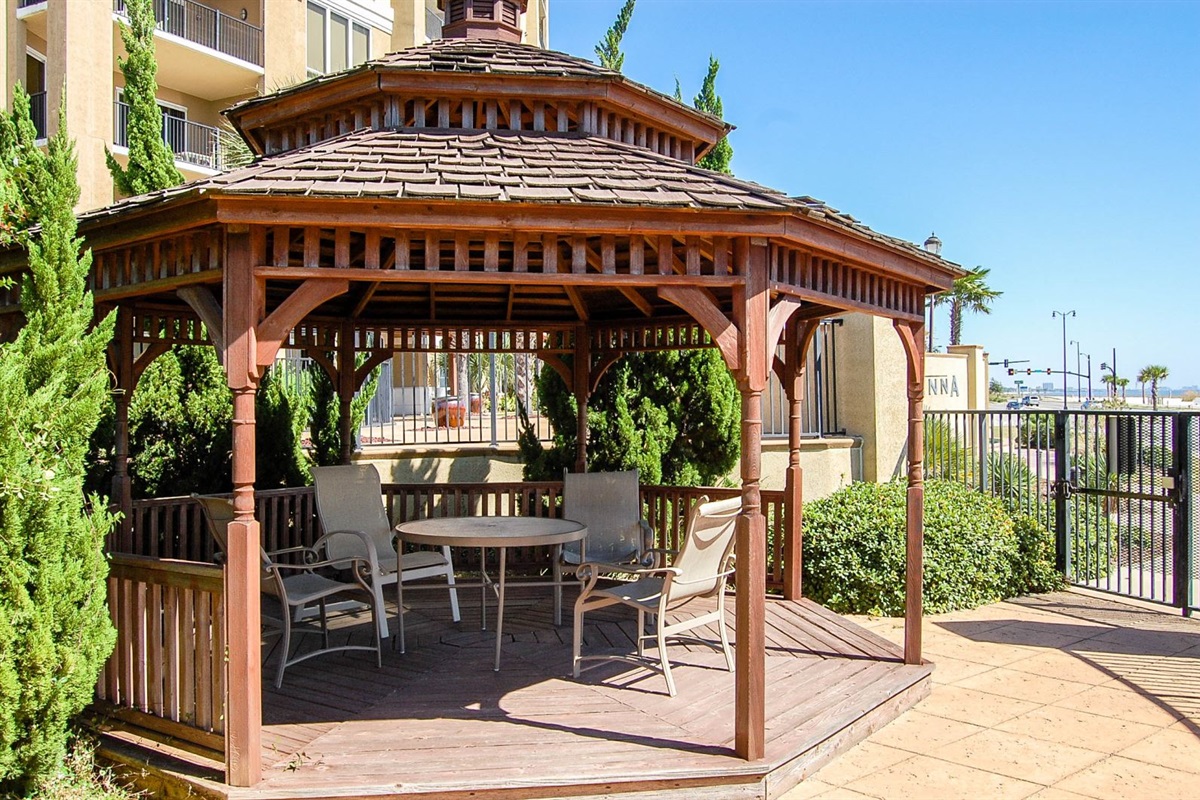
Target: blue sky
(1055, 143)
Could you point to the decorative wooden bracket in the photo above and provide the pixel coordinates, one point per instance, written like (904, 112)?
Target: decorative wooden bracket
(558, 365)
(777, 319)
(208, 308)
(377, 358)
(913, 348)
(148, 355)
(702, 308)
(274, 329)
(600, 367)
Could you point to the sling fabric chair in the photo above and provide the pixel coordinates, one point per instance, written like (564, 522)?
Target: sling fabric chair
(700, 570)
(299, 589)
(610, 505)
(356, 525)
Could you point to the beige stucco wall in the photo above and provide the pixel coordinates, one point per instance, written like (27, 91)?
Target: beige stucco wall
(285, 46)
(946, 387)
(446, 464)
(828, 464)
(871, 394)
(978, 375)
(83, 61)
(408, 24)
(13, 33)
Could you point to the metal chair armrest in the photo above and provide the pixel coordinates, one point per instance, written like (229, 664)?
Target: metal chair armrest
(371, 559)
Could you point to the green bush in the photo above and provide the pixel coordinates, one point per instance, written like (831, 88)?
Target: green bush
(974, 554)
(1033, 570)
(1036, 431)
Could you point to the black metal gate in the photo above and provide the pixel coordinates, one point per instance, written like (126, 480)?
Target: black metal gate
(1116, 487)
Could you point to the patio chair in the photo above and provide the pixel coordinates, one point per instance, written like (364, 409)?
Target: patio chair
(610, 505)
(700, 570)
(350, 507)
(299, 589)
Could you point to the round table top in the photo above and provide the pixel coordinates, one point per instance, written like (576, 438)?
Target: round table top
(491, 531)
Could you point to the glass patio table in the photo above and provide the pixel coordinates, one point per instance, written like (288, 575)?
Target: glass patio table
(499, 533)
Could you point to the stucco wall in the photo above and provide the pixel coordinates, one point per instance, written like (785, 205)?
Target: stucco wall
(828, 464)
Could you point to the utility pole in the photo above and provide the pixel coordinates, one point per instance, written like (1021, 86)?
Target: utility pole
(1064, 315)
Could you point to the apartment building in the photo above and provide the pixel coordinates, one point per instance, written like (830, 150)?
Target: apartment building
(210, 55)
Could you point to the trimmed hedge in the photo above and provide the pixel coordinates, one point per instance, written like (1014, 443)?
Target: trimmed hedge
(974, 551)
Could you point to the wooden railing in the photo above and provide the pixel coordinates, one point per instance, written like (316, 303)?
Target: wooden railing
(173, 528)
(167, 672)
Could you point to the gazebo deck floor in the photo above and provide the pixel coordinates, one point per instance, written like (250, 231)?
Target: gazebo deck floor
(437, 722)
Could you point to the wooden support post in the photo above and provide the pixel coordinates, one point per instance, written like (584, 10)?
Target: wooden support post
(582, 388)
(798, 338)
(912, 335)
(122, 484)
(751, 306)
(346, 387)
(243, 703)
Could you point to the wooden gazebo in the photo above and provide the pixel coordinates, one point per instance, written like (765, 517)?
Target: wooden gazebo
(493, 196)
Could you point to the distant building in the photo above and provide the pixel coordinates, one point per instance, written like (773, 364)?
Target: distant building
(210, 55)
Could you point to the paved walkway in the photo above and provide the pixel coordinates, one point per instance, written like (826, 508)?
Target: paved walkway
(1055, 697)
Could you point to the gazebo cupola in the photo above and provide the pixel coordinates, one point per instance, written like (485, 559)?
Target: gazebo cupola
(479, 84)
(482, 19)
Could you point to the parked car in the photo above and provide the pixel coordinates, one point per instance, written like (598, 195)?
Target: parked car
(1013, 405)
(1031, 401)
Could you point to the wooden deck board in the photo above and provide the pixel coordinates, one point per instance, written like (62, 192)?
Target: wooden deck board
(437, 722)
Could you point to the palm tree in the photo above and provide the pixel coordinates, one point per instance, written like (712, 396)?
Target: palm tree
(1153, 373)
(1110, 383)
(970, 293)
(1122, 382)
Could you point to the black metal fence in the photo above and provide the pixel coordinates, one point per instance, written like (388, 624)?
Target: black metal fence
(207, 27)
(1117, 488)
(191, 142)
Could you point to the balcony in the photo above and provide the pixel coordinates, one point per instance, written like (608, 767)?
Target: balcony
(207, 27)
(192, 143)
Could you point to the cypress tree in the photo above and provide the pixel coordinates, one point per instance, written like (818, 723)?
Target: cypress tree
(718, 157)
(151, 162)
(609, 49)
(55, 631)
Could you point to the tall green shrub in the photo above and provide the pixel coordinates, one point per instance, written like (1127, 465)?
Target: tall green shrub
(151, 162)
(673, 416)
(180, 423)
(54, 629)
(324, 427)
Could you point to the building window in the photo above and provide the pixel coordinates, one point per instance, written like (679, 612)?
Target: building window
(35, 85)
(335, 42)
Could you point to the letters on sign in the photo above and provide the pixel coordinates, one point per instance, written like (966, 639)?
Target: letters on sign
(946, 385)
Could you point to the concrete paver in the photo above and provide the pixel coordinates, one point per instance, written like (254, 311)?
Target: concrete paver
(1056, 697)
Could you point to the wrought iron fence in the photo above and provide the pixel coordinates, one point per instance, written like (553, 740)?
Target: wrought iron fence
(1115, 486)
(207, 27)
(191, 142)
(819, 415)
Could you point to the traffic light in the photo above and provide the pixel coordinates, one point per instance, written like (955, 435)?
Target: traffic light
(1049, 371)
(1028, 372)
(1011, 371)
(1006, 364)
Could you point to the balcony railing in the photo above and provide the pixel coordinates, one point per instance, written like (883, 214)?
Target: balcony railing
(37, 112)
(207, 27)
(27, 3)
(191, 142)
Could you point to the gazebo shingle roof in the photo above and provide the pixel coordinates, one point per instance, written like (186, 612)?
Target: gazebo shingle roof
(499, 166)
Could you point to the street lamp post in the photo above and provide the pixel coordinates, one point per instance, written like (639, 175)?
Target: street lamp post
(1064, 315)
(1079, 371)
